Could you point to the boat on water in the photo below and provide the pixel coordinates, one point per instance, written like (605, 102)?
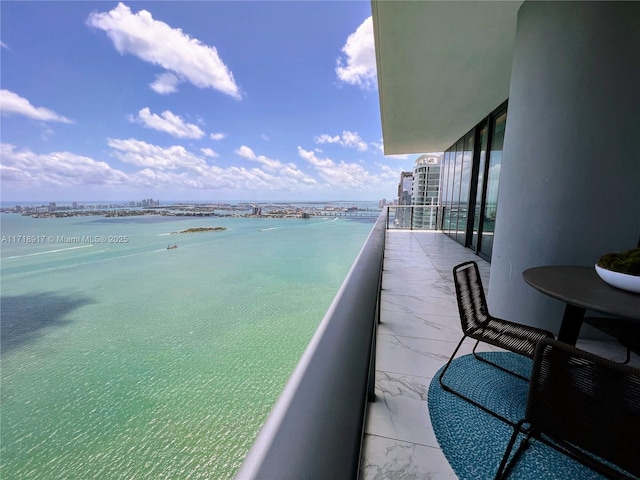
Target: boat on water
(171, 247)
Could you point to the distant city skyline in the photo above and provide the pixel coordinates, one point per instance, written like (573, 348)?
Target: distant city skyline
(5, 203)
(197, 101)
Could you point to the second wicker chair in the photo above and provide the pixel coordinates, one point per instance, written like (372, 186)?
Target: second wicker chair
(584, 406)
(478, 324)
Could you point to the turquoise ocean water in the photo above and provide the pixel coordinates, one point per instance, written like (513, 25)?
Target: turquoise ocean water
(125, 360)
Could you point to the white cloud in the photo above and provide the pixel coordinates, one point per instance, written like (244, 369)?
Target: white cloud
(247, 153)
(326, 138)
(156, 42)
(286, 171)
(400, 156)
(390, 174)
(347, 139)
(265, 137)
(143, 154)
(46, 133)
(13, 103)
(207, 152)
(358, 65)
(56, 169)
(379, 146)
(342, 174)
(353, 140)
(217, 136)
(169, 123)
(165, 83)
(175, 169)
(4, 45)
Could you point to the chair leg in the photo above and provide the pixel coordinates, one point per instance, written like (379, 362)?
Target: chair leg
(449, 363)
(505, 463)
(482, 359)
(447, 388)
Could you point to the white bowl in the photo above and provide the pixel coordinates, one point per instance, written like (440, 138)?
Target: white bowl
(631, 283)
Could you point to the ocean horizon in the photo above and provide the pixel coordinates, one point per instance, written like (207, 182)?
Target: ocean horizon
(124, 359)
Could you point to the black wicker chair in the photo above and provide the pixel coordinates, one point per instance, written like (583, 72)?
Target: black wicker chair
(625, 331)
(583, 405)
(479, 325)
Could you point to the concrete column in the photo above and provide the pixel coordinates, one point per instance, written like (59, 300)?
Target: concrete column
(570, 178)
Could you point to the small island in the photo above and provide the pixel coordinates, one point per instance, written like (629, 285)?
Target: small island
(201, 229)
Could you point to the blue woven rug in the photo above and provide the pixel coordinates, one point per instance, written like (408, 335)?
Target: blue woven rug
(474, 441)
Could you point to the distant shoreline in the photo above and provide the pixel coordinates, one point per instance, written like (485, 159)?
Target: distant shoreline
(240, 211)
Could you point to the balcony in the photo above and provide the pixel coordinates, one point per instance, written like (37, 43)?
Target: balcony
(419, 328)
(316, 427)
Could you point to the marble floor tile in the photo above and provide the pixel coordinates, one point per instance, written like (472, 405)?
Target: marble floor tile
(435, 287)
(411, 356)
(418, 331)
(388, 459)
(426, 325)
(418, 304)
(400, 418)
(405, 386)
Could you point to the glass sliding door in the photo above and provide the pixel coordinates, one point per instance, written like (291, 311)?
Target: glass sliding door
(493, 177)
(479, 196)
(469, 184)
(465, 185)
(455, 198)
(445, 190)
(451, 195)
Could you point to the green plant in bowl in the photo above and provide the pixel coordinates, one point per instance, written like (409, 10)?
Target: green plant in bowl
(627, 262)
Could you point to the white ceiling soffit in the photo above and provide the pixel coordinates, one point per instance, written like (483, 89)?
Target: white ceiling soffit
(442, 67)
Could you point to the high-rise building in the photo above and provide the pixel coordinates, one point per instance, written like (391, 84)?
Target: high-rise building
(404, 188)
(425, 190)
(403, 215)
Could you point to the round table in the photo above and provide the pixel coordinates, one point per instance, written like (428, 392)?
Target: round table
(581, 289)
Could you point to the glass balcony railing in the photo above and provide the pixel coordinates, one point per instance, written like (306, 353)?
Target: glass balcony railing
(414, 217)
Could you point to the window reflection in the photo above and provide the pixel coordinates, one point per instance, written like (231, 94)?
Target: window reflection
(465, 184)
(484, 138)
(493, 177)
(470, 184)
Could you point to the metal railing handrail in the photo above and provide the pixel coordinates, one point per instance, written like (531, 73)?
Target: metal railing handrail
(316, 427)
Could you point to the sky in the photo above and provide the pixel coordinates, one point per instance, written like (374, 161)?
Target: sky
(201, 101)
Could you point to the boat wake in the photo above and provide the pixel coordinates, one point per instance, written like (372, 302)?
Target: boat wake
(49, 251)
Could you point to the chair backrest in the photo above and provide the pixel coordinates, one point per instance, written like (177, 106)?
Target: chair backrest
(472, 304)
(586, 400)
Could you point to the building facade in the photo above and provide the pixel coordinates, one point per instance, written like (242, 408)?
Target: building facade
(564, 148)
(425, 190)
(403, 215)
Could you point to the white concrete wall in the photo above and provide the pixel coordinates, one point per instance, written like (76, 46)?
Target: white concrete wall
(570, 177)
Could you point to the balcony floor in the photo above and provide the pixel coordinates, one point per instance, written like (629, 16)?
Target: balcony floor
(419, 328)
